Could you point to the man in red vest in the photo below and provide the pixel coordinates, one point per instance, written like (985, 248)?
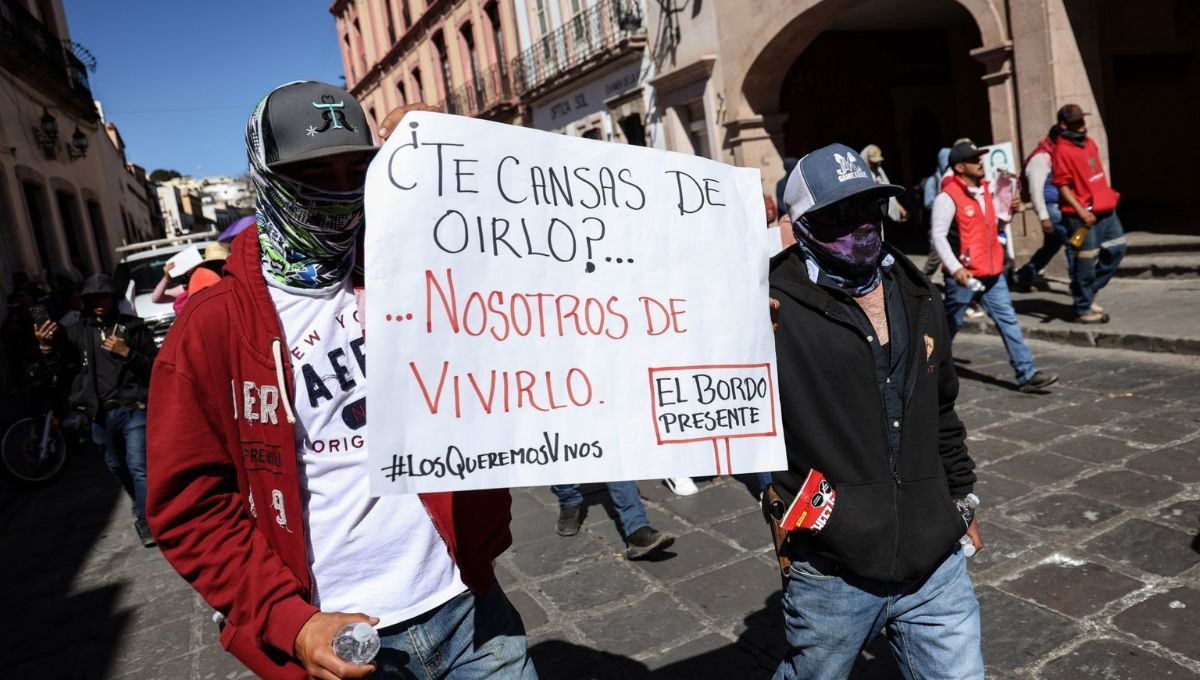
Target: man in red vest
(966, 235)
(1088, 203)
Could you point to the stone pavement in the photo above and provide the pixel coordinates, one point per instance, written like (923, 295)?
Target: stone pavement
(1091, 515)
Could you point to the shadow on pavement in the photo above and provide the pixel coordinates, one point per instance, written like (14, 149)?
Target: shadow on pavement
(51, 538)
(986, 379)
(1045, 310)
(755, 655)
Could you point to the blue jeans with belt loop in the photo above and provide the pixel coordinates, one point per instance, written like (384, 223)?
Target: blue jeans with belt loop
(1051, 244)
(471, 637)
(1097, 259)
(122, 435)
(997, 302)
(932, 623)
(625, 497)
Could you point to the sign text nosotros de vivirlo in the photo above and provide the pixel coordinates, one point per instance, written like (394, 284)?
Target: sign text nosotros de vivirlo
(527, 281)
(518, 184)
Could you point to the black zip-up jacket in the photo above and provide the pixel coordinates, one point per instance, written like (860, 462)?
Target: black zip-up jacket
(894, 519)
(78, 344)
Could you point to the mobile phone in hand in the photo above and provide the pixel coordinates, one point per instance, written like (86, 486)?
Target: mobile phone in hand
(118, 331)
(40, 315)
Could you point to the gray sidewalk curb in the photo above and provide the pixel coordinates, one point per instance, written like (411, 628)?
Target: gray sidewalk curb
(1094, 338)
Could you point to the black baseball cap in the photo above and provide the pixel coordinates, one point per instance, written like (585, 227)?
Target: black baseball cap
(1071, 113)
(830, 174)
(99, 284)
(306, 120)
(964, 152)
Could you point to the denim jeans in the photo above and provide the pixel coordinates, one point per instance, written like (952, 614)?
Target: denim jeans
(932, 624)
(468, 638)
(625, 498)
(1051, 244)
(1096, 260)
(996, 301)
(123, 438)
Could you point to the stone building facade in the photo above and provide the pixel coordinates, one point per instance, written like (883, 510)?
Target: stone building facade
(454, 53)
(913, 75)
(68, 195)
(752, 83)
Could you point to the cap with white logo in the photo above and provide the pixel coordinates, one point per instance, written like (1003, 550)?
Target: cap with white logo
(830, 174)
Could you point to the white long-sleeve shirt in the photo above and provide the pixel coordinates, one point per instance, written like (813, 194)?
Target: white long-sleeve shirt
(1037, 170)
(940, 220)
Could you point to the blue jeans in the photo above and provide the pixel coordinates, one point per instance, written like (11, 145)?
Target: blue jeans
(932, 624)
(123, 438)
(996, 301)
(468, 638)
(1051, 244)
(1096, 260)
(625, 498)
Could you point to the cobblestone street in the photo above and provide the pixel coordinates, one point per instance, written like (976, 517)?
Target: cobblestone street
(1091, 514)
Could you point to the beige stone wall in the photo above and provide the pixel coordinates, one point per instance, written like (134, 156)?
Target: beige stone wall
(101, 177)
(380, 93)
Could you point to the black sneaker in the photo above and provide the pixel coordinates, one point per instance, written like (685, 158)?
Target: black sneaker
(570, 518)
(645, 542)
(1038, 381)
(143, 532)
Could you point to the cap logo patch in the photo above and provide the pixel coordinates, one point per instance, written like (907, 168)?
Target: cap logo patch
(847, 168)
(333, 115)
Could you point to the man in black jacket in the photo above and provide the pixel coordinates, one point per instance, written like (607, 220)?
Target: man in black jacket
(867, 389)
(115, 353)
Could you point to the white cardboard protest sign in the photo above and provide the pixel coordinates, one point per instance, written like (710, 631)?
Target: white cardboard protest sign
(544, 309)
(185, 261)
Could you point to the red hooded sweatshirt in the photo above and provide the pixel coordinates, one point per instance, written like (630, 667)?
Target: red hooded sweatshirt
(224, 496)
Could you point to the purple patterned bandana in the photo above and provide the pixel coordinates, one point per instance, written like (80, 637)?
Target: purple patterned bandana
(852, 255)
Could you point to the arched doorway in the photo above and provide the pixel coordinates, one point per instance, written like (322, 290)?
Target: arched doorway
(897, 73)
(763, 47)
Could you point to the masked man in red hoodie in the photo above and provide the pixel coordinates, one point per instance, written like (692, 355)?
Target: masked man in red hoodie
(257, 447)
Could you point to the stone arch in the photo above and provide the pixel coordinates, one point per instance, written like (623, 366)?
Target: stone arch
(761, 81)
(753, 77)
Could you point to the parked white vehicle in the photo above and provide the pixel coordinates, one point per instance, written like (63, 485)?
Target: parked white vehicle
(142, 266)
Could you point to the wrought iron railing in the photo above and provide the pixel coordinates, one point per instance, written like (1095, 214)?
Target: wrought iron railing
(35, 53)
(486, 91)
(588, 34)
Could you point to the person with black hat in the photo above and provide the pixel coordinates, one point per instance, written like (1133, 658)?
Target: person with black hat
(1089, 209)
(965, 231)
(115, 353)
(259, 493)
(869, 515)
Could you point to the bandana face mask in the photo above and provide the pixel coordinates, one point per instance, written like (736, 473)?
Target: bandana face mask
(851, 251)
(306, 234)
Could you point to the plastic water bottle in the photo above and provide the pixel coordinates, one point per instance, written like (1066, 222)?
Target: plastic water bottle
(357, 643)
(975, 285)
(968, 547)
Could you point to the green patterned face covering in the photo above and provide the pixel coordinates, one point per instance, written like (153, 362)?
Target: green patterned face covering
(306, 235)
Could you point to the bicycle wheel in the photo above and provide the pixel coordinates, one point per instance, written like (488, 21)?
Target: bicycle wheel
(21, 452)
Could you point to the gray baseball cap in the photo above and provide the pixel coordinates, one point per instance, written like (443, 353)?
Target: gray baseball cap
(828, 175)
(306, 120)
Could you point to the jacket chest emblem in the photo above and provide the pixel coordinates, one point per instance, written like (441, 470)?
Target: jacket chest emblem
(255, 403)
(969, 210)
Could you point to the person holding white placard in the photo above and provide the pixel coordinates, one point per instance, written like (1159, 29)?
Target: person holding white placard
(868, 517)
(259, 490)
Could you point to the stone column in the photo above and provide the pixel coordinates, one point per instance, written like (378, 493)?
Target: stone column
(755, 142)
(999, 77)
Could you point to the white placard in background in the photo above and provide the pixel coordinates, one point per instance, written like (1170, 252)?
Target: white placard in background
(547, 309)
(185, 261)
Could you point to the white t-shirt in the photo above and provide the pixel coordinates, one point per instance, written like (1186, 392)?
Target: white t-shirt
(380, 556)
